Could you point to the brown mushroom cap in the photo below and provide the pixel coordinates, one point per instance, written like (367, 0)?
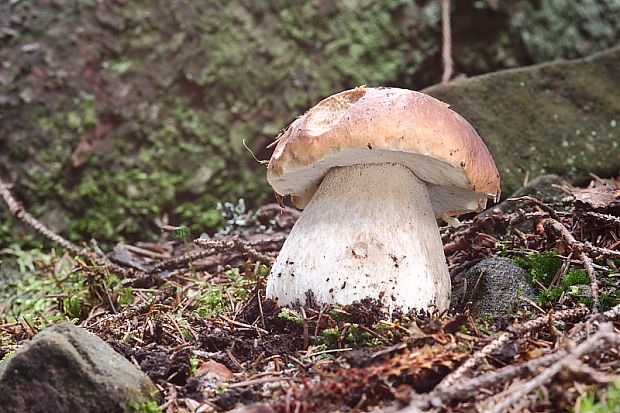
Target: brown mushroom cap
(387, 125)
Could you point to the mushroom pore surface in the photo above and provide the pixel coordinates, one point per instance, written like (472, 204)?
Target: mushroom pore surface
(369, 231)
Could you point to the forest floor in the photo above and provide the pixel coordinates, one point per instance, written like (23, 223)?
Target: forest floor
(195, 319)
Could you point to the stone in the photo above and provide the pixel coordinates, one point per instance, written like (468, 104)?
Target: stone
(491, 286)
(561, 117)
(67, 369)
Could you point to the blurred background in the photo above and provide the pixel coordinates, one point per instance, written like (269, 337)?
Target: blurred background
(119, 115)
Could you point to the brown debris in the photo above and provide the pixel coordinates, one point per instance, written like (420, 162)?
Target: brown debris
(206, 308)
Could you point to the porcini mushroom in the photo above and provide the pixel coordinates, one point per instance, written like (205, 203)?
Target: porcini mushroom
(373, 167)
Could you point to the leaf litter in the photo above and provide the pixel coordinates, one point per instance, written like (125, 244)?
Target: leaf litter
(193, 316)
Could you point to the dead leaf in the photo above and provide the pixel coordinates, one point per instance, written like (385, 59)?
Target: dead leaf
(600, 197)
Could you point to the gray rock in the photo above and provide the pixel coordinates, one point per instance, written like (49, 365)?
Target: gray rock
(67, 369)
(491, 286)
(542, 187)
(561, 117)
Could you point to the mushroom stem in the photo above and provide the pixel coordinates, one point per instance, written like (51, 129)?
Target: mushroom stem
(369, 231)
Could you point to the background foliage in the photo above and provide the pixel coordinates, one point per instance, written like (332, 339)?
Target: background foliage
(117, 115)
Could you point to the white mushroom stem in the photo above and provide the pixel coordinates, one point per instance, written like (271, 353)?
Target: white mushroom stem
(369, 231)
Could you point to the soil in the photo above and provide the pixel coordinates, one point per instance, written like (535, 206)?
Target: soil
(204, 332)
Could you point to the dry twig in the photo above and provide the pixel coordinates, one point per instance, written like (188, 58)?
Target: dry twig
(446, 41)
(604, 338)
(184, 260)
(468, 388)
(552, 213)
(503, 338)
(470, 363)
(555, 223)
(234, 244)
(21, 214)
(610, 219)
(143, 307)
(578, 247)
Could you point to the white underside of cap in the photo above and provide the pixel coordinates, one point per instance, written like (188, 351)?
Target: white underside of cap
(447, 186)
(369, 231)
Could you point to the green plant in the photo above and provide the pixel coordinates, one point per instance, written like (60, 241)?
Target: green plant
(568, 286)
(222, 388)
(291, 315)
(194, 362)
(182, 233)
(29, 260)
(572, 286)
(72, 306)
(599, 401)
(150, 406)
(52, 289)
(349, 334)
(10, 350)
(215, 298)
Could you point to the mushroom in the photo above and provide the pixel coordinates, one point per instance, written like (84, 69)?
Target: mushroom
(373, 168)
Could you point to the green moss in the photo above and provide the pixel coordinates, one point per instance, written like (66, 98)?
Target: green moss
(349, 335)
(544, 32)
(288, 314)
(568, 286)
(543, 268)
(540, 267)
(51, 289)
(344, 333)
(149, 406)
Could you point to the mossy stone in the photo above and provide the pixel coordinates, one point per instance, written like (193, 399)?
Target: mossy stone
(558, 117)
(67, 369)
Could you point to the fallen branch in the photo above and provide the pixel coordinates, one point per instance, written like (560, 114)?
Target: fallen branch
(606, 252)
(610, 219)
(586, 261)
(504, 337)
(528, 326)
(234, 244)
(184, 260)
(555, 223)
(446, 41)
(552, 213)
(21, 214)
(604, 338)
(582, 330)
(468, 388)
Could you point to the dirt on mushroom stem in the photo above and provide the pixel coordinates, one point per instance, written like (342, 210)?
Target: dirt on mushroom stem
(369, 231)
